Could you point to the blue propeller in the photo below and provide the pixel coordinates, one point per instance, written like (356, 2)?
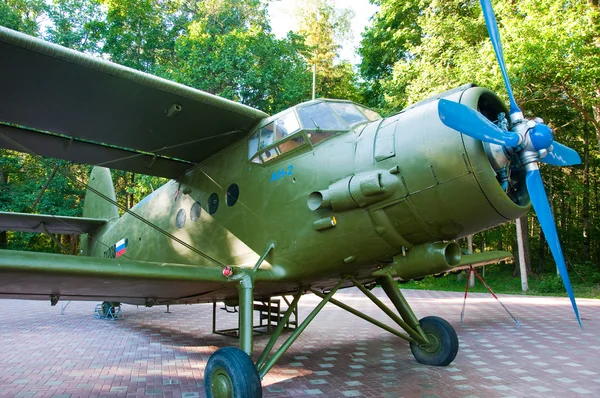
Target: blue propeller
(530, 140)
(474, 124)
(542, 209)
(561, 156)
(492, 27)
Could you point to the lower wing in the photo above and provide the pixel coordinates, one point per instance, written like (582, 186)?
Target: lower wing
(45, 276)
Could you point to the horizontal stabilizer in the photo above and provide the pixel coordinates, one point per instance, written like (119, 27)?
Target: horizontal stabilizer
(481, 259)
(38, 276)
(44, 223)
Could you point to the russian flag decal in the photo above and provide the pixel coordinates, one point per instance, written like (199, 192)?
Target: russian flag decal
(121, 247)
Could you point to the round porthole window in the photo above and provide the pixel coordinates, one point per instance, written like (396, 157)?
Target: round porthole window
(213, 203)
(233, 193)
(195, 212)
(180, 219)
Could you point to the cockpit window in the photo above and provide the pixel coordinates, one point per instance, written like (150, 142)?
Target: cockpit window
(315, 120)
(285, 126)
(267, 135)
(320, 116)
(348, 112)
(371, 115)
(272, 133)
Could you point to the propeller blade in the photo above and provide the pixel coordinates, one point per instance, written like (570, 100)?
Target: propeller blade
(492, 27)
(472, 123)
(537, 193)
(561, 155)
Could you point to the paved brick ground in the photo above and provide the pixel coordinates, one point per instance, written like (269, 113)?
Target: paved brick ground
(150, 353)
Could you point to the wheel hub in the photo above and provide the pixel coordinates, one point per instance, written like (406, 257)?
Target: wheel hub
(220, 385)
(434, 344)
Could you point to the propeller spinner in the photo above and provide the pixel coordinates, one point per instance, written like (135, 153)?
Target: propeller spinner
(530, 140)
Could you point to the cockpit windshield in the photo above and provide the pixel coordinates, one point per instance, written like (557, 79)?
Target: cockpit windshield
(314, 120)
(320, 116)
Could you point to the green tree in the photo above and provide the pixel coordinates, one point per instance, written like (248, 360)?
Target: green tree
(228, 50)
(22, 15)
(141, 34)
(76, 24)
(393, 31)
(324, 27)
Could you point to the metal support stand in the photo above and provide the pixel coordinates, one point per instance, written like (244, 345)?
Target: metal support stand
(472, 271)
(64, 307)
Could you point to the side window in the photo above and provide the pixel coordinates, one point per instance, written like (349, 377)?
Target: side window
(267, 136)
(292, 143)
(269, 154)
(260, 145)
(285, 126)
(253, 146)
(317, 136)
(284, 147)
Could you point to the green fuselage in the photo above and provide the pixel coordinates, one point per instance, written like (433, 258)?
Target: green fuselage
(393, 183)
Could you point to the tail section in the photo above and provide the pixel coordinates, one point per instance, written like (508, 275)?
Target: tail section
(96, 206)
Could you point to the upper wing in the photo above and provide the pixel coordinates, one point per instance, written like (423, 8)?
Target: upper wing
(31, 275)
(50, 224)
(62, 103)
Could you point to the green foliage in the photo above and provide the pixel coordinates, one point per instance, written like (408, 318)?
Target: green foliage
(76, 24)
(22, 15)
(324, 26)
(245, 65)
(550, 284)
(20, 186)
(500, 279)
(394, 30)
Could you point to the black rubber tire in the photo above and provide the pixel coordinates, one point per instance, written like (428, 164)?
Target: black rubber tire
(231, 366)
(444, 343)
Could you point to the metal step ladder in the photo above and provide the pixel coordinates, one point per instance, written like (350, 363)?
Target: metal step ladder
(269, 313)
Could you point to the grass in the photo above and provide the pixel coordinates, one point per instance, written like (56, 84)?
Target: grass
(586, 282)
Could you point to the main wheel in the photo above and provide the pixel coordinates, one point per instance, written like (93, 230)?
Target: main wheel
(443, 342)
(230, 373)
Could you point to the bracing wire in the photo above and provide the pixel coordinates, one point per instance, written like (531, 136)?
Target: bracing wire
(72, 177)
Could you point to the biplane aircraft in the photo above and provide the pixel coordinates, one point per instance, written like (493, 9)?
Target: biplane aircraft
(319, 197)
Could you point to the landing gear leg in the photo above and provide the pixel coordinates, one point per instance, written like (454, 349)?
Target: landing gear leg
(230, 373)
(441, 343)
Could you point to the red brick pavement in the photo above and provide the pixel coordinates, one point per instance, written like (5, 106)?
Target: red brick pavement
(151, 353)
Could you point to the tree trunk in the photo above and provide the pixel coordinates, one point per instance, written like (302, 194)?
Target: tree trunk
(541, 251)
(74, 244)
(501, 243)
(482, 243)
(130, 187)
(3, 237)
(586, 195)
(470, 247)
(596, 113)
(526, 249)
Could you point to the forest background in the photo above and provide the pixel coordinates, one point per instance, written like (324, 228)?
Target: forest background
(410, 50)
